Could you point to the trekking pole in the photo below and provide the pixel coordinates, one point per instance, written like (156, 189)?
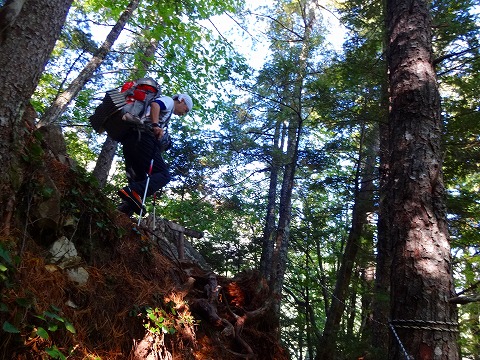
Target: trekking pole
(145, 192)
(148, 182)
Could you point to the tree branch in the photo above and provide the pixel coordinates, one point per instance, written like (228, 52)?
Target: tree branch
(464, 299)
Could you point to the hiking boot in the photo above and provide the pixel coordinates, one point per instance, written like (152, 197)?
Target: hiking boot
(133, 199)
(125, 208)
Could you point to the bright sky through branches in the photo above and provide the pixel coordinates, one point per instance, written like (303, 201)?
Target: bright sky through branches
(252, 42)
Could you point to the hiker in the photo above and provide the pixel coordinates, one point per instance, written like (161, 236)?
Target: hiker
(141, 149)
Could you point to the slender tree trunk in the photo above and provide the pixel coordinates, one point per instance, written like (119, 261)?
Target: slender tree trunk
(351, 312)
(105, 160)
(421, 277)
(322, 277)
(381, 301)
(282, 236)
(368, 279)
(313, 333)
(268, 241)
(61, 102)
(381, 298)
(363, 204)
(26, 41)
(309, 325)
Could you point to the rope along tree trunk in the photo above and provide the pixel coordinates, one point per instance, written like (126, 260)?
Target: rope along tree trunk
(421, 277)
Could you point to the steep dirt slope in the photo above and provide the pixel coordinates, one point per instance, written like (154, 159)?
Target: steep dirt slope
(80, 280)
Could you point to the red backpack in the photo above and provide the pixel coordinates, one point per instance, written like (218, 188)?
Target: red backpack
(140, 90)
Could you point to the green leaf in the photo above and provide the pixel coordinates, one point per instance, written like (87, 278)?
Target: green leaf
(55, 353)
(7, 327)
(5, 255)
(54, 316)
(54, 308)
(70, 327)
(42, 333)
(40, 317)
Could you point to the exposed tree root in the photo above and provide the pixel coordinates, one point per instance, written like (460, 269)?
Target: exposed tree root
(232, 323)
(150, 348)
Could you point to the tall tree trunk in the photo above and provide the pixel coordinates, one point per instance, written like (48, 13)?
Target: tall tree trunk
(282, 235)
(421, 277)
(27, 39)
(104, 161)
(313, 333)
(381, 298)
(363, 204)
(52, 114)
(109, 147)
(295, 107)
(322, 276)
(268, 241)
(368, 283)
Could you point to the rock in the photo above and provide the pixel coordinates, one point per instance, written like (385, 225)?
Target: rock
(62, 249)
(78, 275)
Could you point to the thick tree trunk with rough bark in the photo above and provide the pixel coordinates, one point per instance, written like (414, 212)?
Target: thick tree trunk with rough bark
(26, 41)
(421, 279)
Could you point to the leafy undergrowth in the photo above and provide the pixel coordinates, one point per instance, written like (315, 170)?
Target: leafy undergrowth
(138, 302)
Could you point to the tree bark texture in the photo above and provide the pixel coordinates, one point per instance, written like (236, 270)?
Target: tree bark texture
(421, 278)
(25, 45)
(104, 161)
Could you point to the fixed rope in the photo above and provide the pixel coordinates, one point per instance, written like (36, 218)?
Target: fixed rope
(426, 325)
(406, 324)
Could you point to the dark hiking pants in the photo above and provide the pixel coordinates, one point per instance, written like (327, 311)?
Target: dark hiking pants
(138, 149)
